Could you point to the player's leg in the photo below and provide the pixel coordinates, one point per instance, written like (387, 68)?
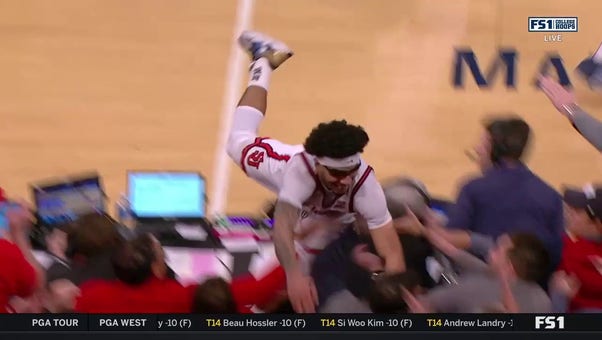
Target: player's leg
(266, 55)
(260, 158)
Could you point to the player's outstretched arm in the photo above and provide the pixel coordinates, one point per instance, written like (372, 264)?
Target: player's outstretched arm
(285, 218)
(386, 242)
(300, 287)
(371, 204)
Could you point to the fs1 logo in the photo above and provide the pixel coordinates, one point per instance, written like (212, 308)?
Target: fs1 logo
(553, 24)
(549, 322)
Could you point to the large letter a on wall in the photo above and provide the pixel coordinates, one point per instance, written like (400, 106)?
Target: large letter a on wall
(555, 61)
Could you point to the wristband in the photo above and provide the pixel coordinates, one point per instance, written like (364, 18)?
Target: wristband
(570, 110)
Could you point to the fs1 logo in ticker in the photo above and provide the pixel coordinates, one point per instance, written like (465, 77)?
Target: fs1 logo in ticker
(549, 322)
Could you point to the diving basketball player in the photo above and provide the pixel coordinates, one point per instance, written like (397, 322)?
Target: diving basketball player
(322, 185)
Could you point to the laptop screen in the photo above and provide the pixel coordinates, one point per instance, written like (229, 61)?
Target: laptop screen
(65, 202)
(166, 194)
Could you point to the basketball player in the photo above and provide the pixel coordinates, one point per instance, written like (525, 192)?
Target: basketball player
(324, 181)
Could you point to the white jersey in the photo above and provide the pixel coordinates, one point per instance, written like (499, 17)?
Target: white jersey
(303, 189)
(290, 172)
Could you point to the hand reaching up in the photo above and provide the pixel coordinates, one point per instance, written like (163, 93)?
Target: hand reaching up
(558, 95)
(566, 284)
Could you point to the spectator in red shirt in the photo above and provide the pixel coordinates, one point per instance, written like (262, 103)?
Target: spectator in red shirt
(17, 276)
(20, 273)
(217, 296)
(580, 270)
(142, 285)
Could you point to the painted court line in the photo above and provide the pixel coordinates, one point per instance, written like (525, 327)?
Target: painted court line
(235, 72)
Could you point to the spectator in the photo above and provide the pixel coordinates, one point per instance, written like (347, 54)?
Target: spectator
(581, 265)
(217, 296)
(214, 296)
(508, 197)
(142, 285)
(508, 282)
(91, 240)
(81, 251)
(20, 273)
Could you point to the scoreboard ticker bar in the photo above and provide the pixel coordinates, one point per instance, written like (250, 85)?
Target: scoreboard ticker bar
(300, 322)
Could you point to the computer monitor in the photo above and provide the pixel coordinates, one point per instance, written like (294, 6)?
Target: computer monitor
(64, 200)
(166, 195)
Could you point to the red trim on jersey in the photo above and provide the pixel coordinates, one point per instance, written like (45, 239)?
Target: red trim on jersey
(357, 186)
(310, 170)
(259, 142)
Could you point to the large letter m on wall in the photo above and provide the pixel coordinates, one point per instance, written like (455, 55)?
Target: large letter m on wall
(505, 59)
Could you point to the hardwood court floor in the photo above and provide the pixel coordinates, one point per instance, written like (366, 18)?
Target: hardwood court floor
(115, 85)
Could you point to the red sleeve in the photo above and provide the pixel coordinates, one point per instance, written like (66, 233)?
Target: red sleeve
(23, 274)
(249, 291)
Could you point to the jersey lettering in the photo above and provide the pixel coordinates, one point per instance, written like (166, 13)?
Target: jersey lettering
(255, 159)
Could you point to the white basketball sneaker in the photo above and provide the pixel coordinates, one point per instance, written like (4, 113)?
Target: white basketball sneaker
(259, 45)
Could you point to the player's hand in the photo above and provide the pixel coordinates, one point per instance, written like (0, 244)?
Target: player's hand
(558, 95)
(566, 284)
(366, 260)
(301, 292)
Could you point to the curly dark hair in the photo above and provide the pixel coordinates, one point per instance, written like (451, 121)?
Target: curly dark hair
(336, 139)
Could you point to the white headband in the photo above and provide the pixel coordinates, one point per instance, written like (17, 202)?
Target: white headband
(340, 163)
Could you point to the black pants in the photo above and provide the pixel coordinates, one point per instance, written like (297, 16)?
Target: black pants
(330, 267)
